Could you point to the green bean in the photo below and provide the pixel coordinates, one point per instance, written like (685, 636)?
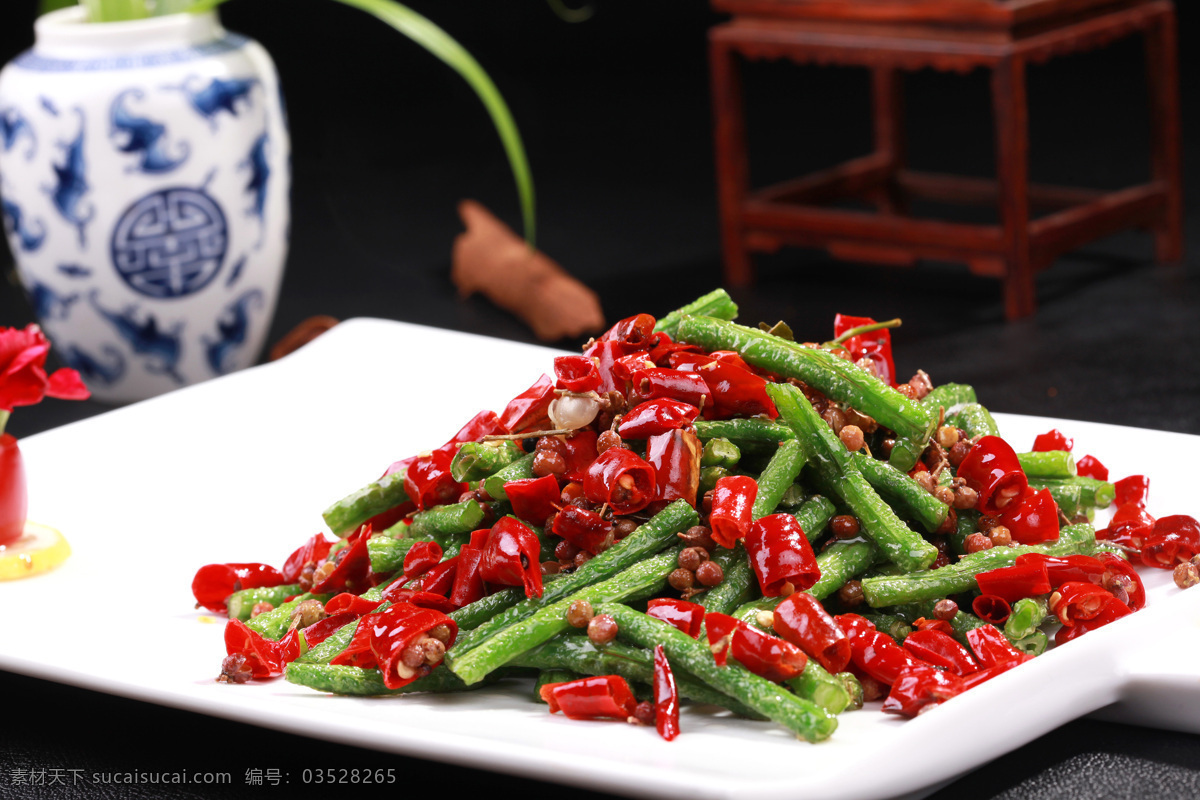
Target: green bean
(743, 432)
(520, 469)
(642, 580)
(351, 511)
(960, 623)
(360, 682)
(814, 516)
(387, 554)
(1067, 497)
(975, 420)
(837, 472)
(687, 655)
(949, 395)
(647, 540)
(475, 461)
(826, 690)
(442, 523)
(241, 603)
(551, 676)
(716, 303)
(837, 378)
(838, 563)
(890, 624)
(709, 477)
(1033, 644)
(720, 453)
(274, 624)
(960, 576)
(475, 614)
(903, 492)
(1048, 464)
(1092, 492)
(779, 475)
(1027, 614)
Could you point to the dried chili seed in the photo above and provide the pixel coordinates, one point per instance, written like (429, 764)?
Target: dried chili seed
(323, 572)
(944, 494)
(582, 557)
(602, 629)
(959, 451)
(579, 614)
(434, 650)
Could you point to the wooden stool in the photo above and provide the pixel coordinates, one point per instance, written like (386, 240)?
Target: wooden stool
(887, 36)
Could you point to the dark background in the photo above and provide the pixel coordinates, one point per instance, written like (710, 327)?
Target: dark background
(615, 117)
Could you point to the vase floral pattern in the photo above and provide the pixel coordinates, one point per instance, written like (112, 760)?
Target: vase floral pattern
(144, 171)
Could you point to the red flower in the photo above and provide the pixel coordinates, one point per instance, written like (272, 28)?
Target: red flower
(23, 379)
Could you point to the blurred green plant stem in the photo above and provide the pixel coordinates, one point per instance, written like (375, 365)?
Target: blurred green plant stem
(120, 10)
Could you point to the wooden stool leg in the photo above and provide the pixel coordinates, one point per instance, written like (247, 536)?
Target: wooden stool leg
(1012, 163)
(731, 160)
(887, 97)
(1162, 74)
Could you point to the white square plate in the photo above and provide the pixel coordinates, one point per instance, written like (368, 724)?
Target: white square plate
(240, 468)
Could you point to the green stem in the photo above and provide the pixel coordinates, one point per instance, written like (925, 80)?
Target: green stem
(861, 329)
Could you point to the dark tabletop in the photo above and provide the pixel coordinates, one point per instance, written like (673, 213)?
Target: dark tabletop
(615, 116)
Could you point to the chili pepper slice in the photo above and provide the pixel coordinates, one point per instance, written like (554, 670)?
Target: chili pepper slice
(686, 387)
(991, 608)
(606, 355)
(396, 593)
(876, 346)
(314, 551)
(468, 585)
(1131, 525)
(940, 650)
(1132, 490)
(624, 367)
(803, 621)
(597, 697)
(766, 656)
(510, 557)
(530, 410)
(941, 625)
(358, 652)
(585, 529)
(1090, 467)
(265, 657)
(1173, 540)
(352, 572)
(428, 481)
(780, 553)
(666, 697)
(439, 579)
(213, 583)
(732, 501)
(1112, 611)
(350, 603)
(736, 392)
(402, 635)
(485, 423)
(675, 456)
(576, 374)
(1054, 439)
(687, 617)
(634, 333)
(991, 647)
(579, 451)
(918, 688)
(1032, 519)
(420, 558)
(320, 631)
(663, 347)
(622, 479)
(991, 468)
(1119, 572)
(533, 499)
(1060, 569)
(987, 673)
(1027, 578)
(659, 415)
(878, 655)
(720, 629)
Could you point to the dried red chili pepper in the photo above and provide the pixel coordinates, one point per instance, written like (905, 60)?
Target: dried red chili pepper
(510, 557)
(606, 355)
(213, 583)
(624, 367)
(1090, 467)
(991, 647)
(622, 479)
(940, 650)
(533, 499)
(633, 333)
(660, 415)
(663, 347)
(686, 387)
(687, 617)
(780, 554)
(396, 593)
(576, 374)
(941, 625)
(874, 345)
(766, 656)
(874, 652)
(1023, 579)
(1053, 439)
(1060, 569)
(429, 483)
(530, 410)
(1130, 526)
(579, 451)
(736, 392)
(991, 468)
(597, 697)
(358, 652)
(1033, 518)
(266, 658)
(732, 501)
(675, 456)
(720, 629)
(803, 621)
(585, 529)
(420, 558)
(917, 688)
(394, 632)
(991, 608)
(1112, 611)
(320, 631)
(1133, 490)
(352, 572)
(666, 697)
(439, 579)
(1173, 540)
(1119, 571)
(314, 551)
(350, 603)
(468, 585)
(485, 423)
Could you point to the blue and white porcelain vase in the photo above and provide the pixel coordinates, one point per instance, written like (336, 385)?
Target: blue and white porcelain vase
(144, 171)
